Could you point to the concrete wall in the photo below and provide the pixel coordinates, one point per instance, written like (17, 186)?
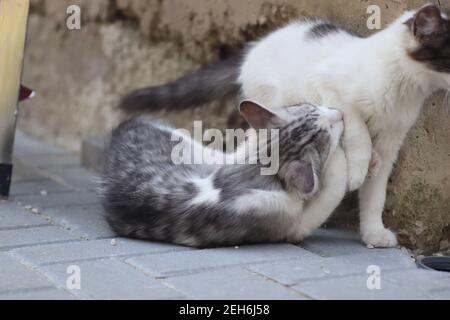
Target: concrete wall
(124, 44)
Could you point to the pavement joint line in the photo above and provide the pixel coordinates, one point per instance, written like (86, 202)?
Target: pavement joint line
(122, 256)
(29, 180)
(59, 206)
(339, 276)
(304, 295)
(82, 294)
(159, 280)
(26, 290)
(37, 193)
(171, 286)
(52, 222)
(56, 179)
(26, 227)
(181, 273)
(35, 269)
(46, 167)
(42, 215)
(65, 225)
(426, 292)
(10, 248)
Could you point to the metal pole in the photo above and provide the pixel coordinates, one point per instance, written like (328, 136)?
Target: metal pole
(13, 27)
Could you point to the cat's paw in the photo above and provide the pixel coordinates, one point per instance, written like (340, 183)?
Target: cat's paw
(380, 238)
(374, 165)
(297, 235)
(356, 178)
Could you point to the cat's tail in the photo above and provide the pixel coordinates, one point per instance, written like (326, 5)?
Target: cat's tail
(211, 83)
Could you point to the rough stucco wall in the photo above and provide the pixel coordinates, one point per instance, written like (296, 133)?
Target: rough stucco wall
(125, 44)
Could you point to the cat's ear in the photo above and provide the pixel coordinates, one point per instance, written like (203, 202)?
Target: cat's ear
(427, 22)
(257, 116)
(305, 179)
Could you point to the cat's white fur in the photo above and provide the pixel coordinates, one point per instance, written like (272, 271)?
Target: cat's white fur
(370, 80)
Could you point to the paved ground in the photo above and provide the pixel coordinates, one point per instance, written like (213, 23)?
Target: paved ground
(52, 229)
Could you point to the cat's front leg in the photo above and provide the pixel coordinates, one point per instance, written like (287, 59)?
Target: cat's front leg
(358, 148)
(321, 206)
(372, 196)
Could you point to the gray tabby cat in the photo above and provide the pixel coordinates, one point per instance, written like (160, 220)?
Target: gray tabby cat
(148, 196)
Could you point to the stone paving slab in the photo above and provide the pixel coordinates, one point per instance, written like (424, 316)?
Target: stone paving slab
(43, 233)
(88, 220)
(42, 294)
(315, 267)
(333, 243)
(23, 173)
(15, 276)
(49, 161)
(30, 236)
(443, 294)
(355, 288)
(24, 145)
(112, 279)
(174, 263)
(78, 178)
(423, 280)
(232, 283)
(90, 250)
(41, 188)
(13, 216)
(92, 152)
(60, 200)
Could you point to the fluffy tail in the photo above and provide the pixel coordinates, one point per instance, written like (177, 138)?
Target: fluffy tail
(214, 82)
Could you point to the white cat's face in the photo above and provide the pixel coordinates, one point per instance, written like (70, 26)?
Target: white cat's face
(430, 31)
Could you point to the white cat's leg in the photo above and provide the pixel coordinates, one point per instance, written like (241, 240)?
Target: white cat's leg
(372, 194)
(372, 197)
(358, 148)
(374, 165)
(331, 193)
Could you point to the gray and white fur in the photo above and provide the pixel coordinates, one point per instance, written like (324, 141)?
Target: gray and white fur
(147, 196)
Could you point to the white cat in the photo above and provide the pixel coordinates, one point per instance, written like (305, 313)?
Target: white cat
(379, 83)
